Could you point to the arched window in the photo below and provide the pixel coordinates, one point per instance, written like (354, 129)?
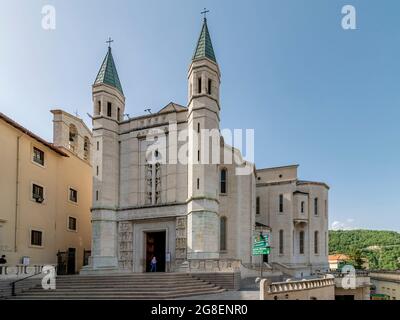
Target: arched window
(223, 180)
(99, 107)
(301, 242)
(73, 138)
(316, 242)
(281, 242)
(258, 205)
(86, 148)
(222, 226)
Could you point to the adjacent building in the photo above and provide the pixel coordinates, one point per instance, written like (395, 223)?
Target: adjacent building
(386, 284)
(296, 212)
(45, 194)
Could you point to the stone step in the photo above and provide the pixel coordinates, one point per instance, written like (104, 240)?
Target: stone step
(91, 293)
(143, 288)
(119, 297)
(132, 286)
(129, 281)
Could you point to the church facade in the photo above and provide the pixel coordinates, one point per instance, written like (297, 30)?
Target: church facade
(166, 185)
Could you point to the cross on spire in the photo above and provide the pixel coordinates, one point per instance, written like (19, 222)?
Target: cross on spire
(109, 42)
(205, 13)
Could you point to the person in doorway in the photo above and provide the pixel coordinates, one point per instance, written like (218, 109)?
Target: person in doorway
(3, 259)
(153, 264)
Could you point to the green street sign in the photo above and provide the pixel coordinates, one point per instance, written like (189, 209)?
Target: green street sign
(261, 245)
(260, 251)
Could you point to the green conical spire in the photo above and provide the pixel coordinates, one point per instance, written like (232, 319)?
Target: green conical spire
(108, 72)
(204, 47)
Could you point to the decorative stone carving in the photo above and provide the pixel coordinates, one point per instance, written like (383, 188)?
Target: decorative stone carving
(125, 245)
(180, 242)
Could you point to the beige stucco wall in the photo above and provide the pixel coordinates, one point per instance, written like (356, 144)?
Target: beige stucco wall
(17, 218)
(387, 283)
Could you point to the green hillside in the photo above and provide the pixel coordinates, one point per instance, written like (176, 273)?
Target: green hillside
(381, 248)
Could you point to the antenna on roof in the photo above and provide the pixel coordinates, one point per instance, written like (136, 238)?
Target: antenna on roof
(147, 110)
(127, 115)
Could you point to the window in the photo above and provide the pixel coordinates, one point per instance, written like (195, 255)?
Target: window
(280, 241)
(209, 86)
(73, 138)
(99, 106)
(302, 207)
(37, 193)
(153, 183)
(316, 245)
(36, 238)
(97, 195)
(109, 111)
(281, 203)
(199, 85)
(73, 195)
(97, 170)
(326, 208)
(316, 206)
(198, 156)
(72, 223)
(326, 243)
(301, 242)
(98, 146)
(258, 205)
(86, 148)
(38, 156)
(222, 245)
(118, 113)
(198, 128)
(198, 183)
(223, 180)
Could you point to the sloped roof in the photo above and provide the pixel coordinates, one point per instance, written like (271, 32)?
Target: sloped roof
(32, 135)
(171, 107)
(338, 257)
(204, 48)
(108, 72)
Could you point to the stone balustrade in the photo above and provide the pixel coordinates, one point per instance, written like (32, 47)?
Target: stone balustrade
(211, 265)
(20, 270)
(314, 289)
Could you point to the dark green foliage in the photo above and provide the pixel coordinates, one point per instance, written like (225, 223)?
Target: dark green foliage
(381, 248)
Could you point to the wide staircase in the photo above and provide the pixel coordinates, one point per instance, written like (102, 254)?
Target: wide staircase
(133, 286)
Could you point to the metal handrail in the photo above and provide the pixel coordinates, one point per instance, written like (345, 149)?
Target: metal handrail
(12, 284)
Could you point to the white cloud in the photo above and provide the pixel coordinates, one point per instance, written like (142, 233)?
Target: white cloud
(348, 224)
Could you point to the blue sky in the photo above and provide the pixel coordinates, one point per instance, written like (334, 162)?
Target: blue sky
(316, 95)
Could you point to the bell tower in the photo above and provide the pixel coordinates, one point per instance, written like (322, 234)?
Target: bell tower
(108, 110)
(203, 143)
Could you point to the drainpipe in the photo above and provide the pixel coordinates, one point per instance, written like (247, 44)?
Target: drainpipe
(16, 196)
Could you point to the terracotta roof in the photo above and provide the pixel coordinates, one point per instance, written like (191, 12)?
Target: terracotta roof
(32, 135)
(334, 257)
